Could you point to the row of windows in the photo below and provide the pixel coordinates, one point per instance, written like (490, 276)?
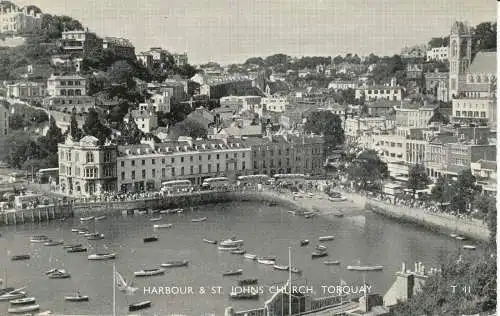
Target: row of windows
(89, 157)
(382, 91)
(70, 83)
(172, 160)
(71, 92)
(471, 114)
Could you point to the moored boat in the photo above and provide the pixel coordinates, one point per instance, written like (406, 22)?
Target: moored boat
(326, 238)
(244, 295)
(250, 256)
(331, 263)
(100, 218)
(238, 252)
(39, 239)
(102, 256)
(267, 261)
(453, 235)
(469, 247)
(23, 309)
(321, 247)
(295, 270)
(208, 241)
(174, 264)
(150, 239)
(59, 274)
(72, 246)
(149, 272)
(76, 298)
(7, 290)
(12, 295)
(20, 257)
(304, 242)
(201, 219)
(23, 301)
(233, 242)
(83, 231)
(460, 238)
(75, 230)
(319, 254)
(280, 267)
(162, 226)
(138, 306)
(292, 212)
(95, 236)
(228, 248)
(155, 219)
(53, 243)
(233, 272)
(86, 219)
(365, 268)
(247, 282)
(76, 249)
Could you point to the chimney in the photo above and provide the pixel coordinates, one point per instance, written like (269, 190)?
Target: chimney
(403, 267)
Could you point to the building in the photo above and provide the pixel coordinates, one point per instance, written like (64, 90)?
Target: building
(146, 166)
(159, 101)
(17, 20)
(338, 85)
(68, 104)
(381, 107)
(26, 90)
(177, 89)
(146, 121)
(436, 83)
(4, 118)
(485, 172)
(375, 92)
(119, 46)
(417, 51)
(181, 59)
(66, 85)
(85, 168)
(158, 54)
(66, 63)
(276, 104)
(146, 60)
(357, 126)
(459, 56)
(412, 116)
(216, 87)
(438, 54)
(414, 72)
(81, 43)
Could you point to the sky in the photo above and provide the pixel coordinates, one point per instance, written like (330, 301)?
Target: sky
(230, 31)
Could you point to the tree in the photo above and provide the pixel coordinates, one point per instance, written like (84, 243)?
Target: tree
(372, 59)
(130, 132)
(121, 72)
(465, 189)
(367, 169)
(94, 127)
(21, 148)
(48, 144)
(485, 37)
(442, 191)
(338, 60)
(327, 124)
(417, 178)
(189, 128)
(76, 132)
(255, 61)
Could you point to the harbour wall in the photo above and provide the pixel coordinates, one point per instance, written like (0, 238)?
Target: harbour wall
(441, 223)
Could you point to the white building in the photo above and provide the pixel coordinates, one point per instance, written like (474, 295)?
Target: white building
(438, 53)
(338, 85)
(160, 102)
(146, 121)
(390, 92)
(66, 85)
(26, 90)
(16, 20)
(4, 118)
(276, 104)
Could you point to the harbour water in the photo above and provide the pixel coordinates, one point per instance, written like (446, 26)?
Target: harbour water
(266, 231)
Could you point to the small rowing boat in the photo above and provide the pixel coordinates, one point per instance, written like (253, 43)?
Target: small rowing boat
(175, 264)
(100, 218)
(233, 272)
(59, 274)
(319, 254)
(331, 263)
(247, 282)
(320, 247)
(326, 238)
(250, 256)
(53, 243)
(155, 219)
(95, 236)
(20, 257)
(150, 239)
(265, 261)
(280, 267)
(86, 219)
(292, 212)
(460, 238)
(233, 242)
(197, 220)
(139, 306)
(365, 268)
(83, 231)
(72, 246)
(208, 241)
(102, 256)
(77, 249)
(295, 270)
(162, 226)
(12, 296)
(469, 247)
(238, 252)
(228, 248)
(23, 301)
(149, 272)
(39, 239)
(23, 309)
(304, 242)
(76, 298)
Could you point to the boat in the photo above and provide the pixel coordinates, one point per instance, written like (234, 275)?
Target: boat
(326, 238)
(208, 241)
(227, 248)
(102, 256)
(83, 231)
(266, 261)
(59, 274)
(232, 242)
(295, 270)
(167, 211)
(23, 301)
(233, 272)
(304, 242)
(44, 313)
(76, 298)
(53, 243)
(150, 239)
(250, 256)
(320, 247)
(365, 268)
(197, 220)
(12, 295)
(39, 239)
(149, 272)
(72, 246)
(272, 204)
(338, 214)
(244, 295)
(292, 212)
(75, 230)
(180, 210)
(331, 263)
(76, 249)
(100, 218)
(238, 252)
(20, 257)
(139, 306)
(155, 219)
(86, 219)
(319, 254)
(460, 238)
(50, 271)
(469, 247)
(453, 235)
(95, 236)
(162, 226)
(23, 309)
(174, 264)
(280, 267)
(7, 290)
(247, 282)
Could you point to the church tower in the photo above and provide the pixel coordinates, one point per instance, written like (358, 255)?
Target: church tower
(459, 56)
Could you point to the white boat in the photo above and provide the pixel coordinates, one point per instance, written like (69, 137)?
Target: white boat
(83, 231)
(365, 268)
(180, 210)
(14, 295)
(175, 264)
(228, 248)
(86, 219)
(453, 235)
(23, 301)
(72, 246)
(292, 212)
(250, 256)
(232, 242)
(201, 219)
(169, 211)
(321, 247)
(469, 247)
(234, 272)
(100, 218)
(209, 241)
(155, 219)
(149, 272)
(460, 238)
(39, 239)
(53, 243)
(102, 256)
(76, 298)
(75, 230)
(59, 274)
(23, 309)
(280, 267)
(95, 236)
(270, 262)
(331, 263)
(162, 226)
(326, 238)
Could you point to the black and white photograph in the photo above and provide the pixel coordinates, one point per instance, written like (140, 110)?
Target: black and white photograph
(248, 157)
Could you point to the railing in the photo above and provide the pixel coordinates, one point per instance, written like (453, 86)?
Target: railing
(322, 302)
(252, 312)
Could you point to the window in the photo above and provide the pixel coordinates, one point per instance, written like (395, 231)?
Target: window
(243, 165)
(163, 172)
(173, 172)
(218, 168)
(122, 163)
(191, 159)
(255, 165)
(199, 158)
(457, 113)
(476, 114)
(182, 159)
(227, 156)
(209, 157)
(107, 156)
(483, 114)
(133, 175)
(182, 171)
(153, 173)
(163, 160)
(90, 157)
(143, 173)
(209, 168)
(132, 163)
(200, 169)
(143, 162)
(153, 161)
(123, 175)
(173, 160)
(191, 170)
(217, 156)
(243, 155)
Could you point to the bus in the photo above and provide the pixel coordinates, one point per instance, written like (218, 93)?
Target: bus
(254, 179)
(291, 178)
(47, 175)
(176, 185)
(211, 183)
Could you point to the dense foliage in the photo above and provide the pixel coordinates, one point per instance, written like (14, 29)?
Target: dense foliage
(367, 170)
(188, 127)
(327, 124)
(94, 127)
(418, 178)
